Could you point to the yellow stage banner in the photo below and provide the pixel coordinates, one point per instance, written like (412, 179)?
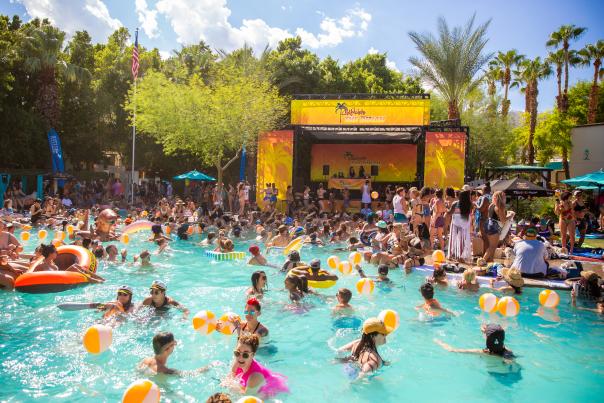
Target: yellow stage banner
(370, 112)
(274, 162)
(445, 159)
(344, 183)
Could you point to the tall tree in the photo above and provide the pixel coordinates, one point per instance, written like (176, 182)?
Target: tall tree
(593, 54)
(295, 70)
(553, 134)
(492, 76)
(451, 61)
(531, 72)
(562, 38)
(505, 62)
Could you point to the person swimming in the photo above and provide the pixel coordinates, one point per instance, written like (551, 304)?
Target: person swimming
(344, 295)
(251, 325)
(495, 337)
(122, 304)
(364, 351)
(258, 284)
(431, 304)
(250, 374)
(160, 301)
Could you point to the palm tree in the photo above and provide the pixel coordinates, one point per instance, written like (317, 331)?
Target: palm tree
(530, 72)
(505, 62)
(41, 50)
(451, 61)
(492, 76)
(557, 59)
(593, 54)
(562, 37)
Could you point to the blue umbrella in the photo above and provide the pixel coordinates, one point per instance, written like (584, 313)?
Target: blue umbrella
(591, 179)
(195, 175)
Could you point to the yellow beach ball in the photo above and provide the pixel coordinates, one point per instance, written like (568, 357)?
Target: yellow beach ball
(142, 391)
(250, 399)
(333, 262)
(70, 228)
(25, 236)
(345, 268)
(204, 322)
(97, 338)
(27, 227)
(508, 306)
(56, 242)
(549, 298)
(390, 318)
(438, 256)
(60, 235)
(125, 239)
(488, 302)
(42, 234)
(228, 323)
(365, 286)
(355, 258)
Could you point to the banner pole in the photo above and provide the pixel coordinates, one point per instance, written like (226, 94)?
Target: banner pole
(133, 147)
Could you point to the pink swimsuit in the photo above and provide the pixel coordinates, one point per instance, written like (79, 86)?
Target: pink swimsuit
(274, 382)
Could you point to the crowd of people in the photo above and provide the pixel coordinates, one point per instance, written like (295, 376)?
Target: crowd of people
(400, 229)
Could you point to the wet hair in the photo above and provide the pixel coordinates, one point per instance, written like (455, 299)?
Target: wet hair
(47, 250)
(465, 203)
(592, 287)
(383, 269)
(439, 272)
(345, 294)
(255, 277)
(144, 254)
(161, 339)
(427, 290)
(366, 343)
(98, 252)
(251, 340)
(108, 248)
(219, 398)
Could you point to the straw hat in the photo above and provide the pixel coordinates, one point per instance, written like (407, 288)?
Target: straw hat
(513, 277)
(372, 325)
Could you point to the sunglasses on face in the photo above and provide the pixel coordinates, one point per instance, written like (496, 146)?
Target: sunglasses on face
(155, 292)
(245, 354)
(122, 294)
(251, 313)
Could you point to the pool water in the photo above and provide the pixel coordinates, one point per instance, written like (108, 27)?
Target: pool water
(42, 357)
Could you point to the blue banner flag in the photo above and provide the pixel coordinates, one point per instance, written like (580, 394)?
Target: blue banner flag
(242, 165)
(55, 150)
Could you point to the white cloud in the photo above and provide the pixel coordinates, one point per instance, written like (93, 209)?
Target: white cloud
(165, 54)
(389, 63)
(354, 23)
(208, 20)
(147, 18)
(372, 51)
(90, 15)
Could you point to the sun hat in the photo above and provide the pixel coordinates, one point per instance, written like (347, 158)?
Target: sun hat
(382, 224)
(589, 275)
(158, 285)
(372, 325)
(513, 277)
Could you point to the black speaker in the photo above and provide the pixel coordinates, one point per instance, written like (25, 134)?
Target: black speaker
(374, 170)
(325, 170)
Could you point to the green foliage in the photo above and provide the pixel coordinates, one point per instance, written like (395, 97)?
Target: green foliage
(552, 135)
(578, 101)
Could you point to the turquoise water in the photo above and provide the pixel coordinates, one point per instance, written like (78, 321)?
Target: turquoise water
(42, 357)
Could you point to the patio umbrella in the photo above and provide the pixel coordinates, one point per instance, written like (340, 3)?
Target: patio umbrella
(519, 187)
(195, 175)
(591, 179)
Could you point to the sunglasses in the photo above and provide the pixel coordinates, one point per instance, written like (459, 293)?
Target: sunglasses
(123, 294)
(251, 313)
(155, 292)
(245, 355)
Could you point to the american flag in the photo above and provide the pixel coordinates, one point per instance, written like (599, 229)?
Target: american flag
(135, 56)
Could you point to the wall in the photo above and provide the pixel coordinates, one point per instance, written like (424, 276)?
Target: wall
(588, 149)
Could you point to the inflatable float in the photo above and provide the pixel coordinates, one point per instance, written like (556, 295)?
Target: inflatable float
(225, 255)
(485, 280)
(57, 281)
(321, 281)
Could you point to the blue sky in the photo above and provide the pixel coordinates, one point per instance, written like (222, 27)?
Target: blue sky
(344, 30)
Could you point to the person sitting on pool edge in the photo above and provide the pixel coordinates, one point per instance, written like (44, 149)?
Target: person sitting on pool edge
(513, 278)
(431, 304)
(163, 346)
(364, 351)
(250, 375)
(160, 301)
(495, 337)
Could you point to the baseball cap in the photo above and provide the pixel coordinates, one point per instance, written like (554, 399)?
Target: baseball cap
(315, 263)
(158, 285)
(531, 233)
(125, 288)
(382, 224)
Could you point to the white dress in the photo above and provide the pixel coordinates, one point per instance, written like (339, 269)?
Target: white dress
(366, 197)
(460, 241)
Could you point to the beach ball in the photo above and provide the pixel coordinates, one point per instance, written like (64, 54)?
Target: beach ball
(25, 236)
(42, 234)
(125, 239)
(345, 268)
(365, 286)
(144, 213)
(141, 391)
(70, 228)
(549, 298)
(488, 302)
(355, 258)
(60, 235)
(56, 242)
(438, 256)
(97, 338)
(250, 399)
(168, 229)
(375, 195)
(204, 322)
(390, 319)
(333, 262)
(27, 227)
(228, 323)
(508, 306)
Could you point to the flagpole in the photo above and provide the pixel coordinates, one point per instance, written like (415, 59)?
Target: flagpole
(134, 125)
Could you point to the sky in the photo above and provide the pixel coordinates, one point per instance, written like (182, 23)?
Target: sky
(344, 30)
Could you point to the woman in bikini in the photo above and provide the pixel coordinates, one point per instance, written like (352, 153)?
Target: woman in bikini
(564, 209)
(364, 351)
(251, 325)
(437, 223)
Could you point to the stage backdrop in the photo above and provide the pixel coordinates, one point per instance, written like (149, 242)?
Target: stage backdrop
(275, 162)
(395, 162)
(445, 159)
(371, 112)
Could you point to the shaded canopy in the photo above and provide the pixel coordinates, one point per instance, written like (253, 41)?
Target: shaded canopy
(520, 187)
(593, 179)
(195, 175)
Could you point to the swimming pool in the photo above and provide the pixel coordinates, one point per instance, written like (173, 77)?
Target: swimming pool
(42, 357)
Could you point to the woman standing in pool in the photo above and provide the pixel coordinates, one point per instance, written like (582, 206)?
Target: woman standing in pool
(250, 374)
(364, 351)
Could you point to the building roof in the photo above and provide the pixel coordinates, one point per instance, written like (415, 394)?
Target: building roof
(521, 168)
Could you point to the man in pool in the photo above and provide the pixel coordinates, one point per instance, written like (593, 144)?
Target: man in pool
(257, 258)
(382, 276)
(495, 337)
(163, 346)
(344, 296)
(315, 273)
(431, 305)
(160, 301)
(282, 239)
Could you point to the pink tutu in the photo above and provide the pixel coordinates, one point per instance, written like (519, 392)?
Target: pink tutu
(274, 382)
